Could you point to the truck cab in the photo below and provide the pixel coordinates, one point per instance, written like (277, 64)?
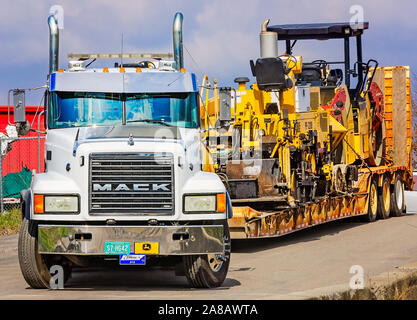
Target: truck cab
(123, 173)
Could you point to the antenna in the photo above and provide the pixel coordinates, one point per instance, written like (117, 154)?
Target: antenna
(121, 56)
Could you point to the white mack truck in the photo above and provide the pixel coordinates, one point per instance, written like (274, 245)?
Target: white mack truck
(124, 180)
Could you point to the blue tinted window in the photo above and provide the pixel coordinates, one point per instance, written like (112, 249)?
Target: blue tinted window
(175, 109)
(75, 109)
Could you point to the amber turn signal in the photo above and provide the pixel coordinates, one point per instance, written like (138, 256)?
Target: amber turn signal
(38, 203)
(221, 202)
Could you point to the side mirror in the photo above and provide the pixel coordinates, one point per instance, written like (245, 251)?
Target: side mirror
(19, 112)
(19, 106)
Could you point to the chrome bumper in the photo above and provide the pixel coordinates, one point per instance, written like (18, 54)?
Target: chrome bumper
(89, 240)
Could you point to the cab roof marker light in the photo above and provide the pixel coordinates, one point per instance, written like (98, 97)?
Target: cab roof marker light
(137, 55)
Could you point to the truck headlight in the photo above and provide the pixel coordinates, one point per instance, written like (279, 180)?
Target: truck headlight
(55, 203)
(205, 203)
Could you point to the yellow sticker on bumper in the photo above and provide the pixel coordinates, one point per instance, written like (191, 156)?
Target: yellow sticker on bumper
(146, 248)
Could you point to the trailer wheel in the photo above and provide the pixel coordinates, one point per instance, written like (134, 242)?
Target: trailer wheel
(32, 265)
(397, 198)
(372, 203)
(208, 271)
(384, 199)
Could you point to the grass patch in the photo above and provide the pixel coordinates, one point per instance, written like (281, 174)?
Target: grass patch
(403, 289)
(10, 222)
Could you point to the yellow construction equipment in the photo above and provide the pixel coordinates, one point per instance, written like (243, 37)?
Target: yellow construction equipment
(303, 145)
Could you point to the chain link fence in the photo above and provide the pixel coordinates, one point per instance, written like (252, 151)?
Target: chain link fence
(20, 157)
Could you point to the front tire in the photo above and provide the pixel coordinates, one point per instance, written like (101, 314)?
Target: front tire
(208, 271)
(32, 265)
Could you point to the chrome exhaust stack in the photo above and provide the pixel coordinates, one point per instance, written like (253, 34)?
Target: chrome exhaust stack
(53, 44)
(177, 41)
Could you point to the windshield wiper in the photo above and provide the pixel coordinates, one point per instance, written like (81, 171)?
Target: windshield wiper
(151, 121)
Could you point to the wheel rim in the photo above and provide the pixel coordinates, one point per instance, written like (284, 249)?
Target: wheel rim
(386, 196)
(373, 199)
(215, 262)
(399, 194)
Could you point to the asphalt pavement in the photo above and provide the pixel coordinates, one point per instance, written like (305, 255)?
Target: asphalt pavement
(290, 266)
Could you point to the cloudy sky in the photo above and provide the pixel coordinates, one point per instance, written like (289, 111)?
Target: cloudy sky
(220, 35)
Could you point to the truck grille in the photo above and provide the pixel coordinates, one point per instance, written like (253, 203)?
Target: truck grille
(132, 183)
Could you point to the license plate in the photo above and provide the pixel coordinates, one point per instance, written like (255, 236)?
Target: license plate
(114, 247)
(133, 259)
(146, 247)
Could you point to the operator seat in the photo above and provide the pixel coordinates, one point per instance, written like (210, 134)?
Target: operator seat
(271, 74)
(335, 77)
(311, 74)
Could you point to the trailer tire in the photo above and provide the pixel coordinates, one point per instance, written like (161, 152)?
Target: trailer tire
(384, 199)
(208, 271)
(32, 265)
(397, 198)
(372, 203)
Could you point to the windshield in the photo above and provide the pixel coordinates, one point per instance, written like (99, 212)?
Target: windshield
(79, 109)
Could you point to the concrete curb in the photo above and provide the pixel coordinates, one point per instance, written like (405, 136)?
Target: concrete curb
(376, 285)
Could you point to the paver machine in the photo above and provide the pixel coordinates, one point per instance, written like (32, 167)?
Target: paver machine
(311, 142)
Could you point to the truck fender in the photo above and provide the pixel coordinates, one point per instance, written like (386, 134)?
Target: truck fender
(25, 199)
(229, 208)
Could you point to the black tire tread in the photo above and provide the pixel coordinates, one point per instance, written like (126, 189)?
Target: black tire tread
(27, 253)
(381, 213)
(196, 269)
(368, 217)
(394, 211)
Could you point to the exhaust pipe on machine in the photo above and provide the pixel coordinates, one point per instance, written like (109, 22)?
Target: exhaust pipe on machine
(177, 41)
(53, 44)
(268, 42)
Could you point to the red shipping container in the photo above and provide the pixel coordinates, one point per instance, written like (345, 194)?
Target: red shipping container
(24, 153)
